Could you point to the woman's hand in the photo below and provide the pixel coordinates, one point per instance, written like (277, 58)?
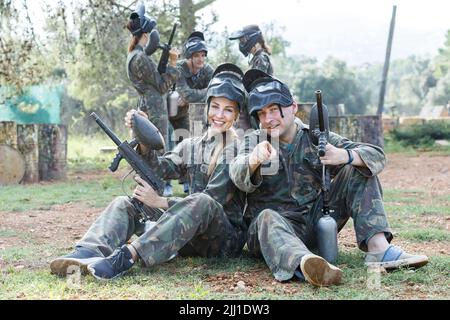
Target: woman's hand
(145, 193)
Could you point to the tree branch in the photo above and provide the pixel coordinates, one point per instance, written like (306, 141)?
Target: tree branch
(201, 4)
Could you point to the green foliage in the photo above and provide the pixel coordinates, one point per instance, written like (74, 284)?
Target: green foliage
(337, 82)
(423, 135)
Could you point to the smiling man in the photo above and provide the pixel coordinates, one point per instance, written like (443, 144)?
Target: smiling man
(285, 205)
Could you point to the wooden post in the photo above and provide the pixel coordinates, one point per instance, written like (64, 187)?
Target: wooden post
(197, 118)
(386, 64)
(52, 152)
(8, 133)
(366, 129)
(27, 144)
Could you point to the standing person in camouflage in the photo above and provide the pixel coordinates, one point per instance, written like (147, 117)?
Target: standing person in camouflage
(192, 84)
(251, 42)
(284, 201)
(195, 75)
(207, 223)
(142, 71)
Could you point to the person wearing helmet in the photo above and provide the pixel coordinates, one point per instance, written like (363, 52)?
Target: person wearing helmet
(251, 42)
(192, 84)
(142, 70)
(284, 197)
(206, 223)
(195, 75)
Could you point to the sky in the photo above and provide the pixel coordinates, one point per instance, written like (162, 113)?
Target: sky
(353, 30)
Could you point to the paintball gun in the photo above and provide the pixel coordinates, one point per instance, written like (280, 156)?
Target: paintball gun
(162, 66)
(148, 135)
(326, 228)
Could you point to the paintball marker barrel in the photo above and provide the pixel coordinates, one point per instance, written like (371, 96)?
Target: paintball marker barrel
(106, 129)
(162, 65)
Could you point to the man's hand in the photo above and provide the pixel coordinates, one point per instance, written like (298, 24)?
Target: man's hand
(263, 151)
(145, 193)
(336, 156)
(173, 57)
(129, 117)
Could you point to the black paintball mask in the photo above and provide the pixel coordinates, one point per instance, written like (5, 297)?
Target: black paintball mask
(227, 82)
(195, 43)
(142, 24)
(248, 37)
(264, 90)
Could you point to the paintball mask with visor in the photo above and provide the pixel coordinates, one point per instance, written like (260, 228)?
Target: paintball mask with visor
(264, 90)
(248, 37)
(142, 24)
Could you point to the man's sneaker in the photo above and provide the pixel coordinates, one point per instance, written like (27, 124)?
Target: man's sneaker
(168, 192)
(394, 258)
(77, 260)
(112, 266)
(319, 272)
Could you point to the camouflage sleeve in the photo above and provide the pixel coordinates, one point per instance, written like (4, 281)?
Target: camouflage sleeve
(373, 156)
(171, 165)
(150, 75)
(173, 201)
(188, 94)
(262, 63)
(195, 95)
(240, 169)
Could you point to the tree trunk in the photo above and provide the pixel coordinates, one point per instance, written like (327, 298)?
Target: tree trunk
(27, 144)
(52, 152)
(187, 15)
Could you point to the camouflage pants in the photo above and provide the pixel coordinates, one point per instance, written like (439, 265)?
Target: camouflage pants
(114, 227)
(283, 238)
(194, 226)
(181, 120)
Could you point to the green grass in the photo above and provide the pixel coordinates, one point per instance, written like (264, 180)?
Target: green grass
(186, 278)
(83, 152)
(25, 274)
(42, 197)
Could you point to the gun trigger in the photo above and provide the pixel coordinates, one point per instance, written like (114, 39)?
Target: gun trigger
(115, 163)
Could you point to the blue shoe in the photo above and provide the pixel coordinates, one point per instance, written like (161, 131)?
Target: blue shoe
(76, 260)
(168, 192)
(394, 258)
(112, 266)
(186, 187)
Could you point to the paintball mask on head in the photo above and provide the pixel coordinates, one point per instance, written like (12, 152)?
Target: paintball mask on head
(227, 82)
(265, 90)
(142, 24)
(195, 43)
(248, 37)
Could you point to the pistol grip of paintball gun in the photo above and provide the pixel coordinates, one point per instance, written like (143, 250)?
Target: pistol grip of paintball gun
(115, 163)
